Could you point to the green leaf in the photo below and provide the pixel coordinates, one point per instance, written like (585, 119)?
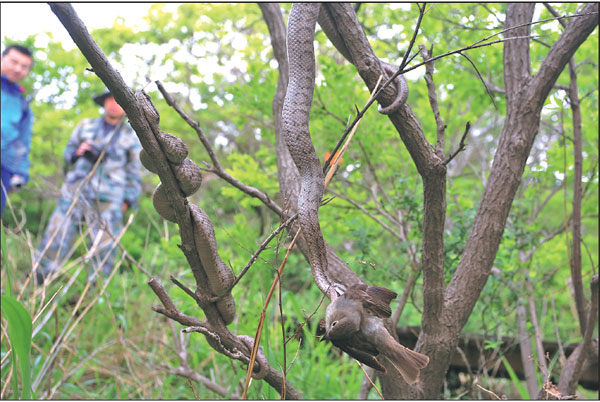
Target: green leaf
(8, 281)
(19, 334)
(515, 379)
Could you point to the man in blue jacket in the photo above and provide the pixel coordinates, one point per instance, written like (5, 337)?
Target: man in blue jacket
(17, 120)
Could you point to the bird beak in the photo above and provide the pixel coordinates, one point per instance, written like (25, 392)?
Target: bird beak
(325, 337)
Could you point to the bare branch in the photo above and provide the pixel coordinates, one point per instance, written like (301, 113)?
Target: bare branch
(217, 168)
(525, 347)
(262, 247)
(461, 145)
(575, 260)
(441, 127)
(377, 181)
(481, 79)
(541, 206)
(541, 355)
(366, 212)
(570, 374)
(169, 310)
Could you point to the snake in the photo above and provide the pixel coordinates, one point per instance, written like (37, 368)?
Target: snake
(188, 176)
(295, 117)
(295, 125)
(327, 23)
(174, 147)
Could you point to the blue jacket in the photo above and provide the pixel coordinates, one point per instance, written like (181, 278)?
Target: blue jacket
(17, 121)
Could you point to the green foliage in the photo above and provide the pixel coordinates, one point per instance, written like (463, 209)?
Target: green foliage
(216, 60)
(515, 379)
(19, 334)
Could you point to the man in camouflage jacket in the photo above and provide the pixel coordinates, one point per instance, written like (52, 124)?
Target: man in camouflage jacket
(103, 181)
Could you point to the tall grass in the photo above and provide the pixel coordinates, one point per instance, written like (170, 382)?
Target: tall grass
(105, 342)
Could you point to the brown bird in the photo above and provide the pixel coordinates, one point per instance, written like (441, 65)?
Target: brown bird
(354, 323)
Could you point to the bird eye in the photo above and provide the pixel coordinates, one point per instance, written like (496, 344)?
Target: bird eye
(333, 323)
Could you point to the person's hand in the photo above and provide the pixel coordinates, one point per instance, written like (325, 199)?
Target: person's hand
(83, 147)
(16, 183)
(124, 207)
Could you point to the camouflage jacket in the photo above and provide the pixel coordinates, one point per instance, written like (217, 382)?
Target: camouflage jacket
(118, 176)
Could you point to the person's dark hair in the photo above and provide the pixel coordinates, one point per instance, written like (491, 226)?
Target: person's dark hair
(18, 48)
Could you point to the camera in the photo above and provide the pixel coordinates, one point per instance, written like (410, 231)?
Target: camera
(93, 154)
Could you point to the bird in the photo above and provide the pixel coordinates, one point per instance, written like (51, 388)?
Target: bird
(354, 323)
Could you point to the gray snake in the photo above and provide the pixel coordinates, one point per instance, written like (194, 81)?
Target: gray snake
(189, 178)
(295, 118)
(295, 126)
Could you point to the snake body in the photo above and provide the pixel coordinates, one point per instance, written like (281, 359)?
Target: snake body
(162, 205)
(295, 117)
(189, 178)
(295, 122)
(222, 278)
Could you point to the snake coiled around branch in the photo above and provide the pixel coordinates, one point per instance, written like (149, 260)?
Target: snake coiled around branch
(189, 178)
(329, 26)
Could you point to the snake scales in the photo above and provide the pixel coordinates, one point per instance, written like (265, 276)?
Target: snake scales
(189, 178)
(295, 128)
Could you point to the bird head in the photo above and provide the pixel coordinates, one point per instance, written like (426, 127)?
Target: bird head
(342, 319)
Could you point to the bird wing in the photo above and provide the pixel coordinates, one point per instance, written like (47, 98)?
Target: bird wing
(361, 351)
(373, 298)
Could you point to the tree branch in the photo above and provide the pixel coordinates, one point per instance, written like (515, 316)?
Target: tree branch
(570, 374)
(513, 149)
(287, 172)
(366, 212)
(521, 125)
(562, 50)
(525, 346)
(575, 255)
(575, 261)
(217, 168)
(461, 145)
(220, 338)
(441, 127)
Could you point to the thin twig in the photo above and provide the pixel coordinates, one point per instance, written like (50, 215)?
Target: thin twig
(337, 156)
(262, 247)
(439, 122)
(532, 23)
(369, 378)
(369, 214)
(192, 387)
(461, 145)
(489, 392)
(361, 113)
(68, 327)
(78, 367)
(187, 290)
(263, 315)
(284, 349)
(377, 93)
(377, 181)
(217, 168)
(481, 79)
(327, 111)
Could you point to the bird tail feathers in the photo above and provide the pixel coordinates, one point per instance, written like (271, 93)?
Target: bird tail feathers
(408, 362)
